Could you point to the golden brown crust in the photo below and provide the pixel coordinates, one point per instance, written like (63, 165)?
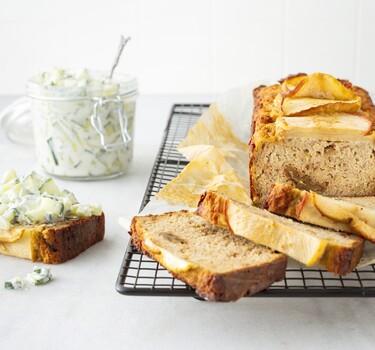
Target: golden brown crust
(228, 287)
(263, 102)
(55, 244)
(343, 260)
(285, 200)
(212, 286)
(290, 76)
(367, 105)
(278, 199)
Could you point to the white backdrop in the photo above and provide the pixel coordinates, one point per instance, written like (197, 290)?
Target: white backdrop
(189, 47)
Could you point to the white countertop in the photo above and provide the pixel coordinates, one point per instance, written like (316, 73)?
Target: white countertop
(81, 309)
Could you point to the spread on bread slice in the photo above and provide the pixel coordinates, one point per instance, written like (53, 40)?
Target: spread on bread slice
(337, 213)
(337, 252)
(219, 265)
(42, 223)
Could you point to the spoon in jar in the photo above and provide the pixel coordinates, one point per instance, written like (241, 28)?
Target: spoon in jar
(123, 42)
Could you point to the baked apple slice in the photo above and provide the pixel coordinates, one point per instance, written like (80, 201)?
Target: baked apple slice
(345, 212)
(317, 93)
(337, 127)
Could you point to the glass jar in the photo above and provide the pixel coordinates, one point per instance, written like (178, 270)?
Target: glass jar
(84, 131)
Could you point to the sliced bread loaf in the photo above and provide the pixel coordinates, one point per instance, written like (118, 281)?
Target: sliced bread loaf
(339, 214)
(335, 251)
(219, 265)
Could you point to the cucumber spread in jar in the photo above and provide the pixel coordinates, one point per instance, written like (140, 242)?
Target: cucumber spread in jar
(83, 122)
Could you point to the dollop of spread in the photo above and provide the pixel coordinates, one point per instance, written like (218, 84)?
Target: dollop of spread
(33, 199)
(81, 82)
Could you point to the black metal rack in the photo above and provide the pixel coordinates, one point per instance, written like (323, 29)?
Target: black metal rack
(140, 275)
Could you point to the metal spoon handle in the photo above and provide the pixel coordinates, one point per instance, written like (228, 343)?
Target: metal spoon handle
(123, 42)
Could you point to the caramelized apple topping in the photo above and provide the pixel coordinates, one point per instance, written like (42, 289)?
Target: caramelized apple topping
(338, 127)
(314, 94)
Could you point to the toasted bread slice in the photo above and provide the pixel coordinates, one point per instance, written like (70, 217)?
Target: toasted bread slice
(339, 214)
(54, 243)
(335, 251)
(219, 265)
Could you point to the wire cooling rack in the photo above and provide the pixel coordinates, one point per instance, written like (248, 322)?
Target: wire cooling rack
(140, 275)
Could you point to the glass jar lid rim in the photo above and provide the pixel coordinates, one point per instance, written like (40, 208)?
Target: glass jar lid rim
(127, 85)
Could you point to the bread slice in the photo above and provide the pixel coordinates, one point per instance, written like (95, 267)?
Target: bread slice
(54, 243)
(331, 154)
(312, 208)
(337, 252)
(219, 265)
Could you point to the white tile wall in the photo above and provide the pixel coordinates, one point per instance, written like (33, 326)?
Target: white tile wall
(192, 47)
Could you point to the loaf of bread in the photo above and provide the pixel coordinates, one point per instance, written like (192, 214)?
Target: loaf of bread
(219, 265)
(342, 214)
(315, 132)
(337, 252)
(55, 243)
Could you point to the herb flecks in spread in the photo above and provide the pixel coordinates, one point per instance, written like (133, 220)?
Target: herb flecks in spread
(15, 283)
(84, 82)
(33, 199)
(39, 276)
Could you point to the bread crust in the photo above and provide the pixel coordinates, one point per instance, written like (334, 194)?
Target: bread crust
(59, 242)
(216, 286)
(279, 200)
(263, 100)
